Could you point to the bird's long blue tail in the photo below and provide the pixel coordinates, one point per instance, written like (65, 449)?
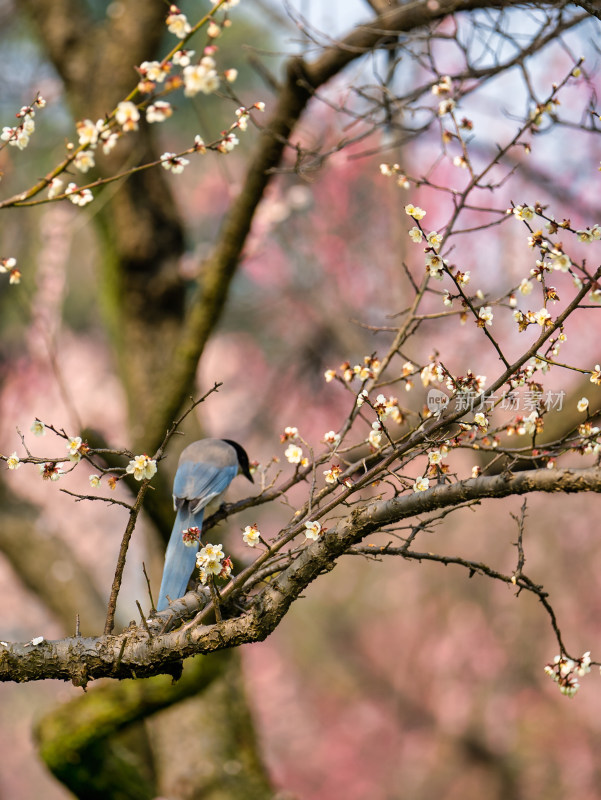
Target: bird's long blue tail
(179, 559)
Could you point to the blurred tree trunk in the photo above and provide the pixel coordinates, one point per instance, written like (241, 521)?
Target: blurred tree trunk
(141, 240)
(141, 233)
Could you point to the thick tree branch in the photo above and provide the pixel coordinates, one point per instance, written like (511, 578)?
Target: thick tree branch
(134, 654)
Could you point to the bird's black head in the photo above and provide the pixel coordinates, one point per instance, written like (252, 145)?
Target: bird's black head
(242, 459)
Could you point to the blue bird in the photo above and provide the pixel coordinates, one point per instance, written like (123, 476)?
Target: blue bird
(205, 470)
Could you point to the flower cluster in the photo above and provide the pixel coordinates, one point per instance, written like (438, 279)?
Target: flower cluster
(10, 265)
(50, 471)
(443, 87)
(201, 77)
(19, 135)
(541, 317)
(415, 211)
(191, 536)
(366, 371)
(174, 163)
(394, 169)
(76, 448)
(212, 561)
(79, 197)
(565, 672)
(290, 433)
(142, 467)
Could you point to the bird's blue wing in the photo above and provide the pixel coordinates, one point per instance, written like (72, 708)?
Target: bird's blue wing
(199, 483)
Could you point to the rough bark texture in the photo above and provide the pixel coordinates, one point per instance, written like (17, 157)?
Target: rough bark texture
(136, 654)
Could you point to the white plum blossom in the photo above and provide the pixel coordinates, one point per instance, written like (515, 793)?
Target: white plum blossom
(332, 438)
(13, 461)
(127, 115)
(154, 71)
(177, 23)
(589, 235)
(446, 106)
(435, 457)
(88, 131)
(94, 481)
(565, 672)
(251, 535)
(227, 144)
(313, 530)
(480, 420)
(582, 404)
(55, 187)
(294, 454)
(525, 286)
(158, 111)
(19, 136)
(213, 30)
(38, 428)
(523, 212)
(201, 77)
(174, 163)
(142, 467)
(375, 437)
(435, 265)
(109, 140)
(74, 447)
(530, 423)
(596, 375)
(209, 559)
(414, 211)
(79, 197)
(332, 474)
(421, 485)
(434, 239)
(541, 317)
(485, 314)
(444, 86)
(460, 161)
(182, 57)
(560, 261)
(84, 160)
